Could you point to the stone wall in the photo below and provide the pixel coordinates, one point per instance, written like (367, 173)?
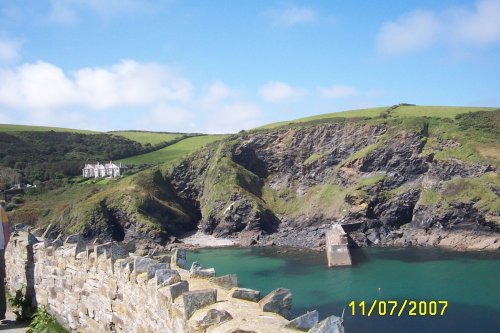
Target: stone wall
(104, 288)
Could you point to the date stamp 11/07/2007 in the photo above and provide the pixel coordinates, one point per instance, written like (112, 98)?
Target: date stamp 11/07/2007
(398, 308)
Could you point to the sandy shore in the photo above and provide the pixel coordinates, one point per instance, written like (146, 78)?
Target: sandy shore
(199, 239)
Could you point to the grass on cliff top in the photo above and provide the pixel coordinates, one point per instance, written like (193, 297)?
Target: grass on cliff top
(436, 111)
(145, 137)
(27, 128)
(175, 151)
(471, 137)
(400, 111)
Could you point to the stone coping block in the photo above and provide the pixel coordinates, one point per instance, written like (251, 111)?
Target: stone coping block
(246, 294)
(332, 324)
(195, 300)
(141, 265)
(228, 281)
(175, 290)
(154, 266)
(278, 301)
(166, 258)
(179, 258)
(167, 277)
(304, 322)
(73, 239)
(214, 317)
(203, 273)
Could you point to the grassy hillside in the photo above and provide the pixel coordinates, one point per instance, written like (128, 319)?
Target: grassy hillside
(173, 152)
(96, 209)
(26, 128)
(145, 137)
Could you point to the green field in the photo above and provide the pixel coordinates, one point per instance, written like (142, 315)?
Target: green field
(148, 137)
(436, 111)
(173, 152)
(401, 111)
(27, 128)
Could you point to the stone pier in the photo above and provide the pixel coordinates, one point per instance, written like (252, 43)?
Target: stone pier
(337, 251)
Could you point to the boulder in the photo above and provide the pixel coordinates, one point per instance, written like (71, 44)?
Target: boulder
(304, 322)
(332, 324)
(246, 294)
(278, 301)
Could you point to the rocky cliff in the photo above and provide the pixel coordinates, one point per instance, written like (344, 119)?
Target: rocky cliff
(385, 178)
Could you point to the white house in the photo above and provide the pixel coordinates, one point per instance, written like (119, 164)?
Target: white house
(102, 170)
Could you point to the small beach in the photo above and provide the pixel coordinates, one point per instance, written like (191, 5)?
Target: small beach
(201, 240)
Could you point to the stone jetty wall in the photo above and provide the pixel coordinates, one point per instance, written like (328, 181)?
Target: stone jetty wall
(107, 288)
(337, 249)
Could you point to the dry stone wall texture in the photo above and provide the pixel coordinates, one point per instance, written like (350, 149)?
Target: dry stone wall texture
(104, 288)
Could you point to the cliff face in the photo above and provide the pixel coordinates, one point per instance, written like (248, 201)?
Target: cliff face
(286, 186)
(392, 180)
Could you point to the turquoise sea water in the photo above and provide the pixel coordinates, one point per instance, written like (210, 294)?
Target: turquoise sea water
(469, 281)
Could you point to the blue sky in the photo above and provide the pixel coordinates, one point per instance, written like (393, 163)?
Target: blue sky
(222, 66)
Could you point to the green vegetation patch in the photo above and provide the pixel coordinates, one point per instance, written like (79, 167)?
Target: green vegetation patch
(175, 151)
(481, 192)
(472, 137)
(325, 199)
(435, 111)
(26, 128)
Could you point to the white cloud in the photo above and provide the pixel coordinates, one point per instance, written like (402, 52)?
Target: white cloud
(234, 117)
(165, 117)
(275, 91)
(410, 32)
(9, 50)
(215, 93)
(460, 26)
(291, 16)
(44, 86)
(127, 95)
(338, 91)
(480, 26)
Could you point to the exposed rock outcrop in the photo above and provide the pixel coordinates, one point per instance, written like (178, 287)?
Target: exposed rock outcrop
(286, 186)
